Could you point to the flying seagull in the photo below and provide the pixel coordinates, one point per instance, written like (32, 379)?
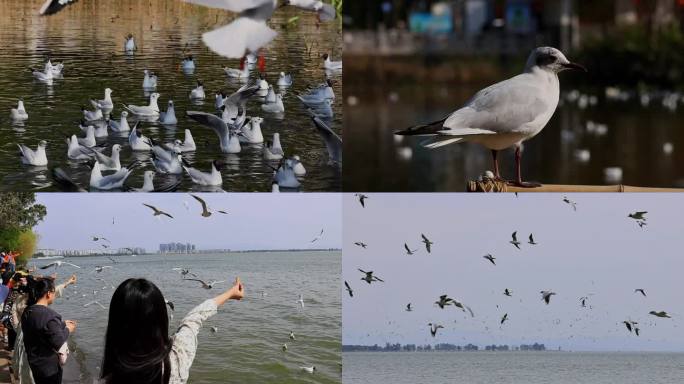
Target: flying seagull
(369, 278)
(408, 307)
(94, 302)
(362, 199)
(531, 240)
(504, 318)
(638, 215)
(101, 268)
(659, 314)
(490, 258)
(515, 240)
(170, 304)
(349, 289)
(205, 210)
(504, 114)
(157, 212)
(427, 242)
(583, 300)
(570, 202)
(206, 285)
(58, 264)
(183, 271)
(507, 292)
(98, 238)
(546, 296)
(318, 237)
(408, 250)
(629, 324)
(434, 328)
(361, 244)
(640, 291)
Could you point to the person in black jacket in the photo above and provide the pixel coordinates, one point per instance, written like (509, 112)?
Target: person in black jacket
(44, 333)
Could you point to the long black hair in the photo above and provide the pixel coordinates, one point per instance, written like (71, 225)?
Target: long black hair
(137, 343)
(37, 288)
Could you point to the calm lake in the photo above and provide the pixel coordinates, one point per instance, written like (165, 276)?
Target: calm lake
(644, 142)
(88, 37)
(513, 367)
(248, 345)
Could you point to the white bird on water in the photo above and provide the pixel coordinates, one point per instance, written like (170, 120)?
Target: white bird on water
(113, 181)
(129, 43)
(121, 125)
(150, 80)
(138, 141)
(211, 178)
(183, 146)
(198, 92)
(300, 301)
(251, 132)
(331, 65)
(504, 114)
(19, 113)
(168, 117)
(31, 157)
(152, 109)
(249, 31)
(105, 103)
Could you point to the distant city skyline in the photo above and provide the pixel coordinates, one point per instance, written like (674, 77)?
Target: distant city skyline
(254, 221)
(596, 252)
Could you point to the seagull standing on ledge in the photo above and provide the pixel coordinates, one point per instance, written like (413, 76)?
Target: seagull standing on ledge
(504, 114)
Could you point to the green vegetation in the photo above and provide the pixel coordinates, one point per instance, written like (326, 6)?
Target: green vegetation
(636, 57)
(19, 213)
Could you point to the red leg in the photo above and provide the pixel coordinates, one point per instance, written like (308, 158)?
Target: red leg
(518, 176)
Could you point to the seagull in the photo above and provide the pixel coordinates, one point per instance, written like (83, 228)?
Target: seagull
(112, 181)
(275, 107)
(284, 347)
(331, 65)
(94, 302)
(98, 238)
(640, 290)
(308, 369)
(205, 210)
(427, 242)
(157, 211)
(546, 296)
(50, 7)
(319, 93)
(121, 125)
(170, 304)
(292, 336)
(515, 240)
(638, 215)
(105, 103)
(206, 285)
(251, 131)
(348, 288)
(361, 244)
(504, 318)
(108, 163)
(129, 46)
(583, 300)
(187, 145)
(531, 241)
(101, 268)
(362, 199)
(507, 113)
(183, 271)
(151, 110)
(188, 64)
(213, 177)
(408, 250)
(333, 142)
(434, 328)
(45, 77)
(150, 79)
(19, 113)
(490, 258)
(507, 292)
(445, 300)
(249, 31)
(570, 202)
(300, 301)
(169, 117)
(198, 92)
(138, 141)
(285, 80)
(408, 307)
(36, 158)
(318, 236)
(214, 329)
(89, 140)
(660, 314)
(92, 115)
(628, 324)
(636, 330)
(369, 278)
(58, 263)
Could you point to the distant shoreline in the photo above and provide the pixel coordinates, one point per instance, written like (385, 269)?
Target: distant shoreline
(208, 252)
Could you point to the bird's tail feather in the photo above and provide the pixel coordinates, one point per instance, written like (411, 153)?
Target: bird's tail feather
(424, 129)
(432, 144)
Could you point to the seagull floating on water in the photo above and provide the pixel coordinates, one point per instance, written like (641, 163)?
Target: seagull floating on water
(198, 92)
(112, 181)
(285, 80)
(19, 113)
(213, 177)
(31, 157)
(121, 125)
(507, 113)
(168, 117)
(149, 80)
(331, 65)
(105, 103)
(152, 109)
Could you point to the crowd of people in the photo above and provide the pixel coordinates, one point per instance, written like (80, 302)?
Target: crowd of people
(138, 347)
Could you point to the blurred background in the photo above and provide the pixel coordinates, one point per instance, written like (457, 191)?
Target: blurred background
(408, 62)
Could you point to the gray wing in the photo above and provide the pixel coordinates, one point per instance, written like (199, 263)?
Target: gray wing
(332, 142)
(327, 12)
(502, 107)
(212, 121)
(241, 96)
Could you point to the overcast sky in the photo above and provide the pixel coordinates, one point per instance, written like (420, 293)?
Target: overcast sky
(596, 251)
(255, 220)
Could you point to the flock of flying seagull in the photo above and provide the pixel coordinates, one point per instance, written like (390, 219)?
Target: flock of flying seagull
(444, 300)
(230, 123)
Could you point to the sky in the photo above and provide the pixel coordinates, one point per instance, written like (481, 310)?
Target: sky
(254, 220)
(596, 251)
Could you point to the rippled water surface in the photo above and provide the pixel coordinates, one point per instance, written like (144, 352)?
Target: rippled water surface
(248, 345)
(513, 367)
(89, 38)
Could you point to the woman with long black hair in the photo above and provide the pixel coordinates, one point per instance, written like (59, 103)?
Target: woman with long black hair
(138, 348)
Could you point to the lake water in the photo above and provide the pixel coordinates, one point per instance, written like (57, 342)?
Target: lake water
(89, 36)
(634, 141)
(513, 368)
(247, 346)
